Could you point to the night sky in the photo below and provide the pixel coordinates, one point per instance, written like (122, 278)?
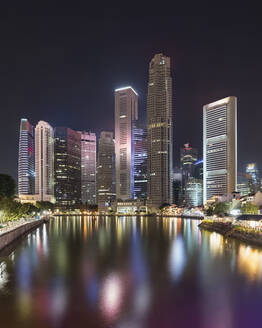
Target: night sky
(61, 62)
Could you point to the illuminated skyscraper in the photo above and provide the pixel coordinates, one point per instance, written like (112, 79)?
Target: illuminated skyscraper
(159, 132)
(44, 161)
(126, 113)
(67, 166)
(253, 175)
(140, 162)
(88, 167)
(220, 147)
(105, 171)
(188, 157)
(26, 159)
(194, 192)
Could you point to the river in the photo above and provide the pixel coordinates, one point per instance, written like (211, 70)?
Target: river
(129, 273)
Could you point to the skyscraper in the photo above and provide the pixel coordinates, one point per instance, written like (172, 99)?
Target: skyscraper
(126, 113)
(140, 162)
(105, 171)
(188, 156)
(159, 132)
(253, 175)
(220, 147)
(67, 166)
(44, 161)
(26, 159)
(194, 192)
(88, 167)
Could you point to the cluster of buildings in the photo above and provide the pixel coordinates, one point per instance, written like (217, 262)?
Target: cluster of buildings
(134, 164)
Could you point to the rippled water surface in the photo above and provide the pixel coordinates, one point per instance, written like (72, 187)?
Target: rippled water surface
(129, 272)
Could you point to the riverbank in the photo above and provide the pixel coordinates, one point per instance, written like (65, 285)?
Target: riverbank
(10, 233)
(228, 229)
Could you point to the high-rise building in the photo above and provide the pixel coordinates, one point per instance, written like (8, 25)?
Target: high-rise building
(44, 161)
(126, 113)
(198, 170)
(177, 186)
(243, 184)
(105, 171)
(67, 166)
(140, 162)
(220, 147)
(88, 167)
(26, 159)
(194, 192)
(159, 132)
(188, 157)
(253, 174)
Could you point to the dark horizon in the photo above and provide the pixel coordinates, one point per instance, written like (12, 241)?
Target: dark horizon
(62, 64)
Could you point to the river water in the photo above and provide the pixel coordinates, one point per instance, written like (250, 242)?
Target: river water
(129, 272)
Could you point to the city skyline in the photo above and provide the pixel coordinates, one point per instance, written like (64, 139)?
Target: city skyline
(50, 73)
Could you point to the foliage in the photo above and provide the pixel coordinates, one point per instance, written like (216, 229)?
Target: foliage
(7, 186)
(11, 210)
(92, 207)
(249, 208)
(217, 208)
(161, 207)
(44, 206)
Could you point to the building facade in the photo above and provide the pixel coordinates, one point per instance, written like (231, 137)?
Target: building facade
(220, 147)
(88, 167)
(194, 192)
(44, 162)
(159, 132)
(67, 166)
(126, 113)
(253, 175)
(188, 157)
(26, 159)
(105, 171)
(140, 162)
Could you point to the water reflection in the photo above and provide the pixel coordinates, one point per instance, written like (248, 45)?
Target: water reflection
(127, 272)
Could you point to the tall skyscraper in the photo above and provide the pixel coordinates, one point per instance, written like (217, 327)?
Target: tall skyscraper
(253, 175)
(26, 159)
(44, 161)
(220, 147)
(67, 166)
(194, 192)
(88, 167)
(105, 171)
(140, 162)
(126, 113)
(159, 132)
(188, 157)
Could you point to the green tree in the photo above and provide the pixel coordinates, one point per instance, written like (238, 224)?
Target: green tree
(249, 208)
(161, 207)
(221, 208)
(7, 186)
(44, 206)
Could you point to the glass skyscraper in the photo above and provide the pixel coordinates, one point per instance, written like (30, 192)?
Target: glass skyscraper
(126, 114)
(88, 167)
(67, 166)
(26, 159)
(140, 161)
(159, 132)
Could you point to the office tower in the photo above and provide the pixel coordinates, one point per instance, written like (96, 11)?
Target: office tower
(243, 184)
(44, 162)
(67, 166)
(194, 192)
(88, 167)
(220, 147)
(159, 132)
(126, 113)
(188, 157)
(253, 174)
(198, 170)
(140, 162)
(105, 171)
(26, 159)
(177, 186)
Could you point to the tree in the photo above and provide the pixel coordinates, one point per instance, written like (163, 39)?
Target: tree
(249, 208)
(221, 208)
(44, 206)
(7, 186)
(161, 207)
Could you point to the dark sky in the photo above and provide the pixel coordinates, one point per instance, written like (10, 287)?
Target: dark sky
(61, 62)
